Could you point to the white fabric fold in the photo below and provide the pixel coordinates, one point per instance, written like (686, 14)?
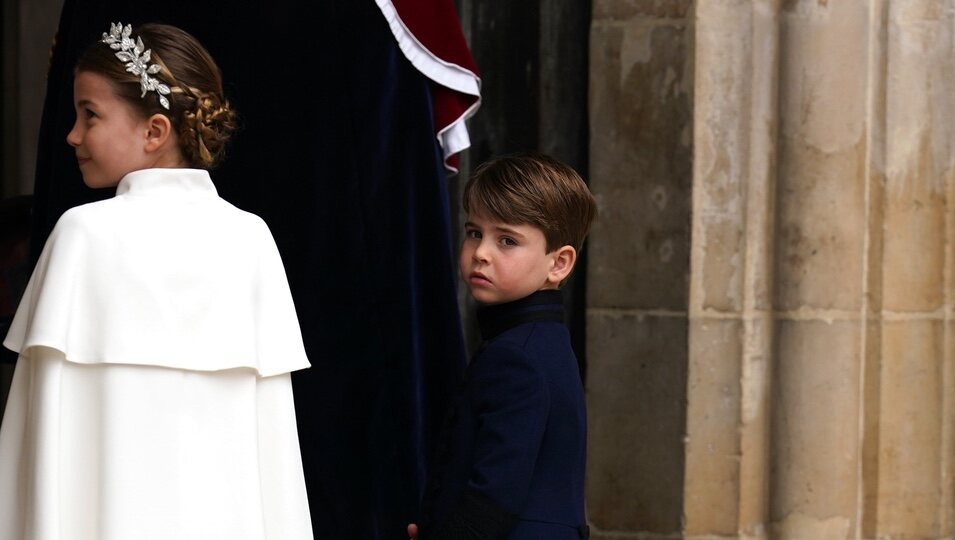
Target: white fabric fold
(152, 397)
(165, 274)
(453, 137)
(120, 452)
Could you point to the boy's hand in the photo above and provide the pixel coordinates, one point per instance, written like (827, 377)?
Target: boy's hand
(412, 531)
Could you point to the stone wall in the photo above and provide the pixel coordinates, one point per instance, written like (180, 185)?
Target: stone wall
(817, 334)
(640, 170)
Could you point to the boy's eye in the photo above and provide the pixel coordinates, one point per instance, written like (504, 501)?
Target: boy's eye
(508, 241)
(472, 233)
(90, 114)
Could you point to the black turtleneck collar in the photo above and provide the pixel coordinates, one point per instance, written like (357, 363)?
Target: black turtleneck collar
(547, 305)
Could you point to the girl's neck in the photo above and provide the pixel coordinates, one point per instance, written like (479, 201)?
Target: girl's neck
(169, 160)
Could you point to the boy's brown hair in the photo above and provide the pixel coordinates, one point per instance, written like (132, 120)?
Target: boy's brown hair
(537, 190)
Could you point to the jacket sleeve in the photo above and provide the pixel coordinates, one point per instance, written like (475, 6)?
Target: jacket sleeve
(510, 399)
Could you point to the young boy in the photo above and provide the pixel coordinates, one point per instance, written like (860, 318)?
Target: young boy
(510, 462)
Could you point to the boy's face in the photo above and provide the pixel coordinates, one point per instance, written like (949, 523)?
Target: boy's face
(502, 262)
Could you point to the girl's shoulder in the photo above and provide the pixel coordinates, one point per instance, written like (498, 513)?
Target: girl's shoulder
(84, 218)
(99, 225)
(241, 221)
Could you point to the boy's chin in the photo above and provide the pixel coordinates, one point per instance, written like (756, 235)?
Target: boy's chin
(484, 297)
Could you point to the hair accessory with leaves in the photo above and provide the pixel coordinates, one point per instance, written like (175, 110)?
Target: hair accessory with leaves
(137, 60)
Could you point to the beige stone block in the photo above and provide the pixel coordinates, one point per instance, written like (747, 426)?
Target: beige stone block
(872, 394)
(874, 282)
(720, 204)
(919, 105)
(760, 252)
(950, 251)
(820, 236)
(797, 526)
(822, 173)
(636, 387)
(824, 49)
(625, 9)
(754, 430)
(910, 461)
(947, 506)
(714, 412)
(640, 167)
(919, 90)
(734, 165)
(721, 258)
(914, 256)
(816, 430)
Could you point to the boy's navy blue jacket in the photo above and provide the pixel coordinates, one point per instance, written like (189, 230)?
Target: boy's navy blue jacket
(510, 461)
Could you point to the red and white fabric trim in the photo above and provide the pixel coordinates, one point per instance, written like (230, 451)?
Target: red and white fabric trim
(430, 36)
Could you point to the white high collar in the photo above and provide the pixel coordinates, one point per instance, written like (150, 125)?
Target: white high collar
(179, 182)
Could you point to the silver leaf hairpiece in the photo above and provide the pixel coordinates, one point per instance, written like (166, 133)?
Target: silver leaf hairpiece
(136, 59)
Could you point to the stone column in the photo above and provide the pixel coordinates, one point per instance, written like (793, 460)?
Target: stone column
(820, 342)
(853, 379)
(829, 71)
(638, 265)
(910, 481)
(730, 334)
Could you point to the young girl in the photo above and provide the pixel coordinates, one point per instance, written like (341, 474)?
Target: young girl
(152, 398)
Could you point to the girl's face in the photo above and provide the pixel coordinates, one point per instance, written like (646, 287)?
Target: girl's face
(109, 137)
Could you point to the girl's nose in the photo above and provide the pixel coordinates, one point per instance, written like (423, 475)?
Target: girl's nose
(73, 137)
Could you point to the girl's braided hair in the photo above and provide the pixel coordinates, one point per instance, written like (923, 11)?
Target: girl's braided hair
(198, 110)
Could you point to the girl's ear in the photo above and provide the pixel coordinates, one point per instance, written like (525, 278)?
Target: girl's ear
(564, 259)
(158, 132)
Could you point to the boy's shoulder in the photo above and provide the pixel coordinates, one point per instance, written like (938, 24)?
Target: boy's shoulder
(538, 345)
(532, 334)
(530, 359)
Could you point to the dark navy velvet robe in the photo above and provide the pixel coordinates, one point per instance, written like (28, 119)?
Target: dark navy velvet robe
(336, 151)
(512, 454)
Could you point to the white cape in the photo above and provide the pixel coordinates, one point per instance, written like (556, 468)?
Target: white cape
(152, 398)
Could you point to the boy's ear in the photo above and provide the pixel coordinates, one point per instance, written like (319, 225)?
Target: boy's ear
(564, 259)
(158, 131)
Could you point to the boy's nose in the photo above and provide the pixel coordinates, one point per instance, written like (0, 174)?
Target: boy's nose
(480, 252)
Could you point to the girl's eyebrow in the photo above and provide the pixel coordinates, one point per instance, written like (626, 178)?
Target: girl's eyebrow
(83, 103)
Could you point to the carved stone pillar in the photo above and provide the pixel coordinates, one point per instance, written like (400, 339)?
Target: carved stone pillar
(820, 314)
